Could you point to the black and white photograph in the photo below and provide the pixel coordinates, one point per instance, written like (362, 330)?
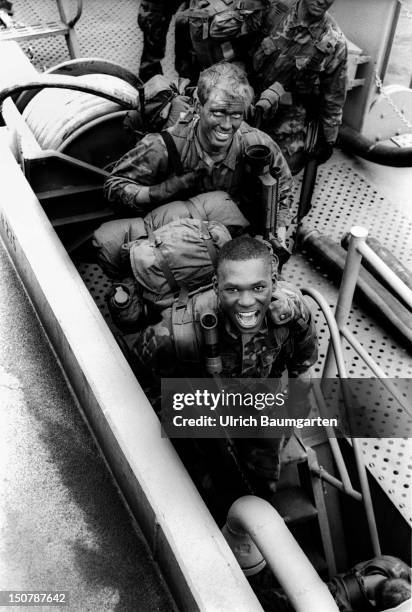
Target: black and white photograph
(206, 305)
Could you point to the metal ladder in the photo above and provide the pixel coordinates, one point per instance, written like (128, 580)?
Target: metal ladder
(14, 30)
(300, 501)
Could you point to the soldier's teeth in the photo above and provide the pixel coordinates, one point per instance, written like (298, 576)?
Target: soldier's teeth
(247, 319)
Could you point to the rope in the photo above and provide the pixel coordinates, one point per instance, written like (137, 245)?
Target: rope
(391, 103)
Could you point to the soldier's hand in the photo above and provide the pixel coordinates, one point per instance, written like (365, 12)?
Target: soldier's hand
(281, 232)
(179, 106)
(175, 187)
(323, 149)
(268, 103)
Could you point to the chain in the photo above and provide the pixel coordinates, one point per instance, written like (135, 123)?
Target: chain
(391, 103)
(407, 12)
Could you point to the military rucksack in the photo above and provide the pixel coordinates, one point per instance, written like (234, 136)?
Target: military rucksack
(181, 254)
(215, 25)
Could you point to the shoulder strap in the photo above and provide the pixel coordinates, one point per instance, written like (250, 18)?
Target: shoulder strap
(175, 163)
(185, 338)
(161, 260)
(194, 209)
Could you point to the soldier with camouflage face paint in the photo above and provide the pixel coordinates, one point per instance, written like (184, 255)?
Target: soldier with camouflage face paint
(210, 145)
(299, 70)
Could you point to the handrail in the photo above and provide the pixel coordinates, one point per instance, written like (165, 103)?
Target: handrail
(356, 250)
(336, 348)
(345, 483)
(255, 517)
(384, 270)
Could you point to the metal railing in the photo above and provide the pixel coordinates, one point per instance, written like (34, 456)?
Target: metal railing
(335, 360)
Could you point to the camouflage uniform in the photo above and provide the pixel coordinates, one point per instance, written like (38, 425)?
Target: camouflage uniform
(286, 340)
(309, 61)
(148, 164)
(154, 19)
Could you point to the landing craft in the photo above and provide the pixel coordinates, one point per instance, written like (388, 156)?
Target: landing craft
(50, 205)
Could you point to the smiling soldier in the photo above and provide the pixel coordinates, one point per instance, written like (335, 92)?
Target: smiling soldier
(202, 152)
(263, 330)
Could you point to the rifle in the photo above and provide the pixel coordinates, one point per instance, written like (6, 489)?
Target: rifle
(258, 160)
(309, 176)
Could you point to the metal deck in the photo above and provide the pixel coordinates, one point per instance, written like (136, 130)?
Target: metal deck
(63, 522)
(343, 198)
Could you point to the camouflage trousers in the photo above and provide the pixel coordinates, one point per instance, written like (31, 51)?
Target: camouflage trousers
(154, 20)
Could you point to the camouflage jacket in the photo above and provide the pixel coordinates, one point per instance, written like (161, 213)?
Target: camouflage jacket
(148, 164)
(286, 340)
(308, 60)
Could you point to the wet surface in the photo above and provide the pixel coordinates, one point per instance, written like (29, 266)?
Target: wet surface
(63, 525)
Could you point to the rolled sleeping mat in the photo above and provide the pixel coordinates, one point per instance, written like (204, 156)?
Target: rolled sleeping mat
(394, 264)
(369, 291)
(58, 117)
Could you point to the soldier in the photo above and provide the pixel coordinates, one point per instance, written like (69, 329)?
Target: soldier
(202, 152)
(154, 19)
(300, 72)
(263, 330)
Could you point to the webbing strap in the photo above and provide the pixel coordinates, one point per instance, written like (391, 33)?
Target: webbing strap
(210, 245)
(175, 163)
(161, 260)
(354, 592)
(195, 210)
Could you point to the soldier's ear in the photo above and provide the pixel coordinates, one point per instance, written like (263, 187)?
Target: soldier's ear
(197, 104)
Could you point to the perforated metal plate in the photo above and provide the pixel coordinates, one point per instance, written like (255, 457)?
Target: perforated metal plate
(342, 199)
(106, 29)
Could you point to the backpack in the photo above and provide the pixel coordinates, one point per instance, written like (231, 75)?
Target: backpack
(109, 238)
(181, 254)
(216, 24)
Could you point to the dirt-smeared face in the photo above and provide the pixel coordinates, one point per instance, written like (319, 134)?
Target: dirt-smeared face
(219, 118)
(316, 8)
(244, 290)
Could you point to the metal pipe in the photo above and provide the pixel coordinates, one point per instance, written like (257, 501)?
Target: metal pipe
(366, 495)
(213, 359)
(385, 255)
(386, 155)
(347, 288)
(384, 270)
(324, 475)
(343, 306)
(346, 291)
(333, 328)
(296, 575)
(369, 290)
(334, 446)
(123, 98)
